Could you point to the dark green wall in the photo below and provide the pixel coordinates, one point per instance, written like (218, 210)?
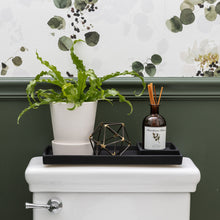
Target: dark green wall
(191, 107)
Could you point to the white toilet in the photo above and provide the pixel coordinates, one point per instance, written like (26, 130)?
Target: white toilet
(160, 192)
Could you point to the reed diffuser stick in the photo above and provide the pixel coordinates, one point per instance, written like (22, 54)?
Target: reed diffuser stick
(153, 95)
(150, 91)
(161, 90)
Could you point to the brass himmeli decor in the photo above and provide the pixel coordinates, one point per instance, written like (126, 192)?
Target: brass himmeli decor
(111, 138)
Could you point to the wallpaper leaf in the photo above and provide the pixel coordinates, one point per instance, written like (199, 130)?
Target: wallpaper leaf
(92, 38)
(217, 8)
(17, 61)
(187, 16)
(57, 22)
(80, 4)
(4, 69)
(174, 24)
(156, 59)
(65, 43)
(210, 13)
(62, 3)
(150, 69)
(137, 66)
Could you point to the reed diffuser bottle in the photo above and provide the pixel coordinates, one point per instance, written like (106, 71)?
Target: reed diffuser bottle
(154, 125)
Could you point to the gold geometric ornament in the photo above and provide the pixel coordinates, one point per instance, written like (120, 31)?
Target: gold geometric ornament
(110, 138)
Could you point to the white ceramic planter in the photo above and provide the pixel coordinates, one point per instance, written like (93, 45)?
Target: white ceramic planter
(60, 148)
(72, 129)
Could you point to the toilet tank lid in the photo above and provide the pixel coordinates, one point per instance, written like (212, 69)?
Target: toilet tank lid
(93, 178)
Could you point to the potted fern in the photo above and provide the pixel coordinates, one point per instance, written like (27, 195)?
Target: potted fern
(72, 104)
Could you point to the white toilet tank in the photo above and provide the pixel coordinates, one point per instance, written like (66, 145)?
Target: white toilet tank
(159, 192)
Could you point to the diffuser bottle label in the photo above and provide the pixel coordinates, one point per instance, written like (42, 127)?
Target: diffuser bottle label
(155, 138)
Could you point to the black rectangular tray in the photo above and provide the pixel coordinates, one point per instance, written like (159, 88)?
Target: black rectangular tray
(134, 155)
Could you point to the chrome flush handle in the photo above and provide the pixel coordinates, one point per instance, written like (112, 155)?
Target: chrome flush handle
(54, 205)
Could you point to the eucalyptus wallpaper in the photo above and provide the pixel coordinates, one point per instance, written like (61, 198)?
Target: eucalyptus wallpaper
(161, 38)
